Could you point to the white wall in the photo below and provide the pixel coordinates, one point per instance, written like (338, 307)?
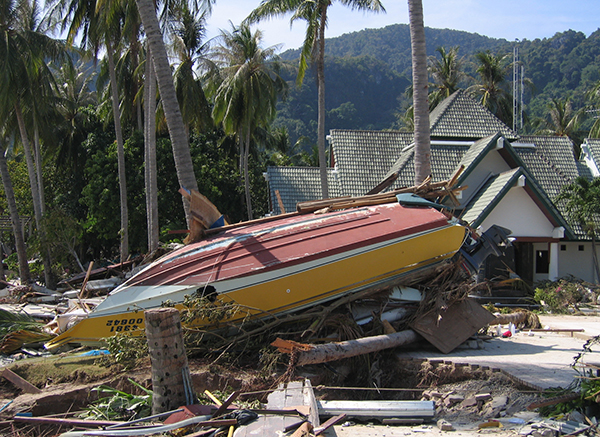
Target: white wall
(519, 213)
(491, 163)
(572, 261)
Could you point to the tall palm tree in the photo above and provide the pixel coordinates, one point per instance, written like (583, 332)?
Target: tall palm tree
(22, 59)
(563, 121)
(582, 202)
(150, 168)
(314, 12)
(100, 24)
(189, 32)
(24, 273)
(447, 74)
(179, 139)
(593, 96)
(492, 88)
(246, 90)
(422, 138)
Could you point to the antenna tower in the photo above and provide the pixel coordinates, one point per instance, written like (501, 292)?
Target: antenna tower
(517, 90)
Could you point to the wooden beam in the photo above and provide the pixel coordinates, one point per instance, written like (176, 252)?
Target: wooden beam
(23, 384)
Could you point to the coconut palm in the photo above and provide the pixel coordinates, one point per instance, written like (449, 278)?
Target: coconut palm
(581, 199)
(315, 15)
(593, 95)
(188, 35)
(492, 88)
(15, 220)
(247, 85)
(447, 74)
(100, 25)
(150, 168)
(420, 86)
(563, 121)
(22, 62)
(162, 68)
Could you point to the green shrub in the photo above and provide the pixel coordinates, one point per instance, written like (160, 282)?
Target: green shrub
(560, 297)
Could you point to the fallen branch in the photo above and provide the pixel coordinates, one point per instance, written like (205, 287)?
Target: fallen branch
(322, 353)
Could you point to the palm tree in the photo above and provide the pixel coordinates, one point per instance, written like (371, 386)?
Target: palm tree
(593, 96)
(189, 33)
(447, 74)
(582, 203)
(150, 168)
(22, 60)
(420, 86)
(315, 15)
(492, 88)
(100, 23)
(563, 121)
(247, 86)
(162, 68)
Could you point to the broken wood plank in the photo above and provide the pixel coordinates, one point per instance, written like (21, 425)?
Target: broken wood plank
(322, 353)
(304, 430)
(329, 423)
(223, 407)
(554, 401)
(69, 422)
(23, 384)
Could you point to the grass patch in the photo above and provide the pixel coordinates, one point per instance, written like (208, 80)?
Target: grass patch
(56, 370)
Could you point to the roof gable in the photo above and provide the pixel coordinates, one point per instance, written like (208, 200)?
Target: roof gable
(461, 117)
(498, 186)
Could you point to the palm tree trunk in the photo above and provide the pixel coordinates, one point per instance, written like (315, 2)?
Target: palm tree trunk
(38, 162)
(420, 92)
(35, 193)
(321, 116)
(179, 141)
(247, 175)
(120, 152)
(15, 222)
(150, 157)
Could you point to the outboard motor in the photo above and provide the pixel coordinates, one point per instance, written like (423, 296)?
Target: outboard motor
(492, 242)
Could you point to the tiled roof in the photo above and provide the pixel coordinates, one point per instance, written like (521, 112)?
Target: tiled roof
(445, 159)
(362, 158)
(550, 160)
(461, 117)
(488, 197)
(298, 184)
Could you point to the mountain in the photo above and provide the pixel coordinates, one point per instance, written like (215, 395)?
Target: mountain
(367, 73)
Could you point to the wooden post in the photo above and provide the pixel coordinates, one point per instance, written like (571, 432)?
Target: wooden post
(171, 380)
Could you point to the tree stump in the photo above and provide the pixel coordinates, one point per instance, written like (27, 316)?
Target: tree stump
(171, 380)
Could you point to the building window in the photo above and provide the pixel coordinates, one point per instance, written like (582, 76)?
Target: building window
(542, 261)
(581, 247)
(563, 247)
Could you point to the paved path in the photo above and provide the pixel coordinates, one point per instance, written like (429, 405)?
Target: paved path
(542, 359)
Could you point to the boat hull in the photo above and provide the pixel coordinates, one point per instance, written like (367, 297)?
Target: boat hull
(283, 268)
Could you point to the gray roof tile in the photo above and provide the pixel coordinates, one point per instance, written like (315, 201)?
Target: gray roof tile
(363, 158)
(298, 184)
(461, 117)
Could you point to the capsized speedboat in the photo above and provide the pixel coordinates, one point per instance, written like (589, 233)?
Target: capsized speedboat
(282, 266)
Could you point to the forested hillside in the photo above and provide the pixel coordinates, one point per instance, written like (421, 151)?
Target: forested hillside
(367, 74)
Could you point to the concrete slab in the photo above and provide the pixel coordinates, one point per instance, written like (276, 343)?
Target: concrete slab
(541, 359)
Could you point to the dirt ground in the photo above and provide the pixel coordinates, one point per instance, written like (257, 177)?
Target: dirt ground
(411, 380)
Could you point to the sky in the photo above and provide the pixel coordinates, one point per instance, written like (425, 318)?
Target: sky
(508, 19)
